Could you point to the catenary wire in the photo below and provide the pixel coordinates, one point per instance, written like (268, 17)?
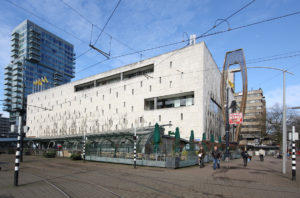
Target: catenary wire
(206, 35)
(236, 12)
(108, 21)
(95, 25)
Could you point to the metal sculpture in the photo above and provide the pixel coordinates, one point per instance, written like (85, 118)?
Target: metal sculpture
(233, 58)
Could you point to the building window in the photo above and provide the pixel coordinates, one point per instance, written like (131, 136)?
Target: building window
(141, 83)
(124, 104)
(124, 120)
(91, 99)
(170, 123)
(84, 110)
(131, 125)
(110, 90)
(131, 108)
(97, 93)
(103, 97)
(102, 112)
(96, 108)
(141, 119)
(116, 127)
(181, 116)
(124, 87)
(171, 101)
(117, 94)
(159, 79)
(150, 88)
(170, 84)
(116, 110)
(109, 106)
(132, 91)
(171, 64)
(159, 118)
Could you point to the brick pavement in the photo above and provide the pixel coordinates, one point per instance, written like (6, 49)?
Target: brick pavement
(41, 177)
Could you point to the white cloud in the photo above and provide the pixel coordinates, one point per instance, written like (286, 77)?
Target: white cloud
(292, 96)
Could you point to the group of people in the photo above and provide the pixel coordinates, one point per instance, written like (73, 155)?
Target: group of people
(248, 156)
(216, 155)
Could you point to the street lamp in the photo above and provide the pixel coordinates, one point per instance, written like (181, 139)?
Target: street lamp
(284, 142)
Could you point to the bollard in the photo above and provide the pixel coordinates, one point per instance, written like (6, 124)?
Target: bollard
(134, 149)
(293, 155)
(18, 153)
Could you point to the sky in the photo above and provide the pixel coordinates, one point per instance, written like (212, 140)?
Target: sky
(141, 24)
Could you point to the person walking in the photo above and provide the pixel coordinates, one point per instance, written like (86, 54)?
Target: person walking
(262, 154)
(216, 157)
(201, 155)
(245, 156)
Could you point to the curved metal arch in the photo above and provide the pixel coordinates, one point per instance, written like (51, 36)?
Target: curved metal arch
(233, 58)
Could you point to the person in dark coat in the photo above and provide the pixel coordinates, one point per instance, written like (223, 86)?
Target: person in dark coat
(201, 155)
(245, 157)
(216, 157)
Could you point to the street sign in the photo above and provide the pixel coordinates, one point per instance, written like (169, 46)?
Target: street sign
(296, 136)
(235, 118)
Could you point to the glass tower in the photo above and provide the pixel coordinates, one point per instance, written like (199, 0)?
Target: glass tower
(39, 60)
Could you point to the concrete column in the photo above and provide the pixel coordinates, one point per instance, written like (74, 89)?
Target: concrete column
(155, 103)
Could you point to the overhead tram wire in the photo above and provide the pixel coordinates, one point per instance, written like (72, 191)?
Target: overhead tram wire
(203, 36)
(147, 50)
(239, 10)
(91, 23)
(108, 21)
(272, 56)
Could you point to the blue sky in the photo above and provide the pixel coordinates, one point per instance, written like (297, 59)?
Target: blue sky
(141, 24)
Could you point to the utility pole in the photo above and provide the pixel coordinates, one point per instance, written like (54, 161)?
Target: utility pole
(227, 124)
(284, 143)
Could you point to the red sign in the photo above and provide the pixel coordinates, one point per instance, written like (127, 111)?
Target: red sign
(235, 118)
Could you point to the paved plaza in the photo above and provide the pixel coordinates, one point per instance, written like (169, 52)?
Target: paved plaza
(62, 177)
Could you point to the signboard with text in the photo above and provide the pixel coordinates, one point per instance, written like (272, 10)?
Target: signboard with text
(235, 118)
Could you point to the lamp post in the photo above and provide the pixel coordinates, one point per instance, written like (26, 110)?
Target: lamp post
(284, 141)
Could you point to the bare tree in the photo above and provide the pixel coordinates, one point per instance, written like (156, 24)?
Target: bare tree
(274, 122)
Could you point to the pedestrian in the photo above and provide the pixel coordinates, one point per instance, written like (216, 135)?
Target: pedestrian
(262, 154)
(250, 154)
(216, 157)
(245, 156)
(201, 155)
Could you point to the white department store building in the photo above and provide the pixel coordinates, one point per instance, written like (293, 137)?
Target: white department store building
(181, 88)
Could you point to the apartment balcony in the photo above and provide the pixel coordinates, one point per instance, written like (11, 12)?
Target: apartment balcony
(17, 78)
(7, 107)
(8, 77)
(16, 101)
(17, 72)
(33, 46)
(14, 55)
(8, 82)
(7, 93)
(7, 72)
(8, 67)
(34, 52)
(8, 88)
(17, 90)
(15, 107)
(15, 38)
(17, 95)
(17, 84)
(34, 57)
